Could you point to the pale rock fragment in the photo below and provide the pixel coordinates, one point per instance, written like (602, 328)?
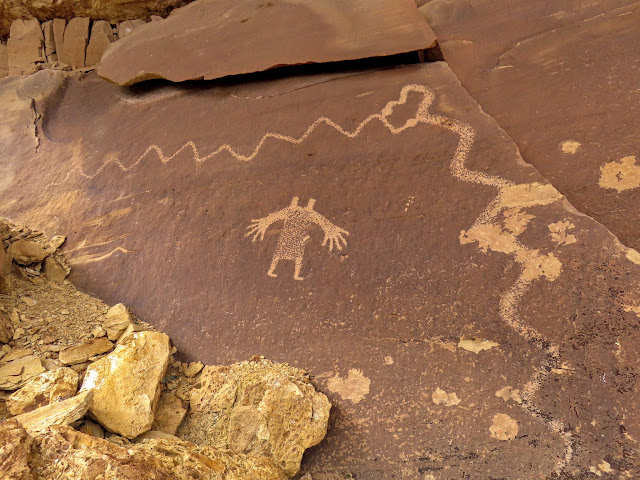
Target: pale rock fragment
(82, 353)
(118, 319)
(27, 252)
(169, 414)
(193, 369)
(127, 383)
(16, 373)
(59, 413)
(476, 346)
(258, 408)
(48, 387)
(55, 270)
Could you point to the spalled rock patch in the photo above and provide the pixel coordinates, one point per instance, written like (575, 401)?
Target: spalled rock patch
(503, 427)
(49, 387)
(354, 387)
(126, 383)
(258, 408)
(440, 397)
(475, 345)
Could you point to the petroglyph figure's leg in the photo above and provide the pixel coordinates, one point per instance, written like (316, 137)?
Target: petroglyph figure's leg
(274, 264)
(296, 274)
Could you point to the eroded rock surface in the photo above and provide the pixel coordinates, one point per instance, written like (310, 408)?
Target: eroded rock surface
(212, 38)
(560, 78)
(258, 408)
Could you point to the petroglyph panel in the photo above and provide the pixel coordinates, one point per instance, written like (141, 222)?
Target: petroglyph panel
(456, 270)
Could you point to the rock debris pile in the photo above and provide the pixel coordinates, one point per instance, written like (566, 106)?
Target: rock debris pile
(86, 389)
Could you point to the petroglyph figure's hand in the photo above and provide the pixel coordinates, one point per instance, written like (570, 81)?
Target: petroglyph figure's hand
(334, 235)
(258, 228)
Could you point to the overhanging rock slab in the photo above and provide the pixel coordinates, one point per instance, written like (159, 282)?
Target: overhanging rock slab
(210, 39)
(469, 318)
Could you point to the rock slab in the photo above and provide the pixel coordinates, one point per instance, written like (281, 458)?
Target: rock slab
(76, 37)
(25, 47)
(209, 39)
(49, 387)
(65, 412)
(101, 38)
(127, 383)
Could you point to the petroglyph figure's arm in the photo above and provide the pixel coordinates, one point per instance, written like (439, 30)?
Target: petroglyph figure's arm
(259, 226)
(332, 233)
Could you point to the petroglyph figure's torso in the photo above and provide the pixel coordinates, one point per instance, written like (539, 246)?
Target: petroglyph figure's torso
(294, 235)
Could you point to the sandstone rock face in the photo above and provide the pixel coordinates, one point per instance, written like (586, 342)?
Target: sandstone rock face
(113, 11)
(4, 60)
(211, 38)
(49, 387)
(127, 383)
(128, 26)
(16, 373)
(49, 42)
(82, 353)
(65, 412)
(15, 451)
(506, 55)
(76, 37)
(25, 47)
(118, 319)
(258, 408)
(101, 38)
(58, 27)
(161, 166)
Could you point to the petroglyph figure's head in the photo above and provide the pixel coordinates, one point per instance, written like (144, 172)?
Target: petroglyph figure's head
(294, 202)
(311, 203)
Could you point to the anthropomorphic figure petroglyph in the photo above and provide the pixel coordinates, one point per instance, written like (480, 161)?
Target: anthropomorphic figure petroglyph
(294, 234)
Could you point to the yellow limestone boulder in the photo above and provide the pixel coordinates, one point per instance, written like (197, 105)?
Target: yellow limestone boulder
(257, 408)
(126, 383)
